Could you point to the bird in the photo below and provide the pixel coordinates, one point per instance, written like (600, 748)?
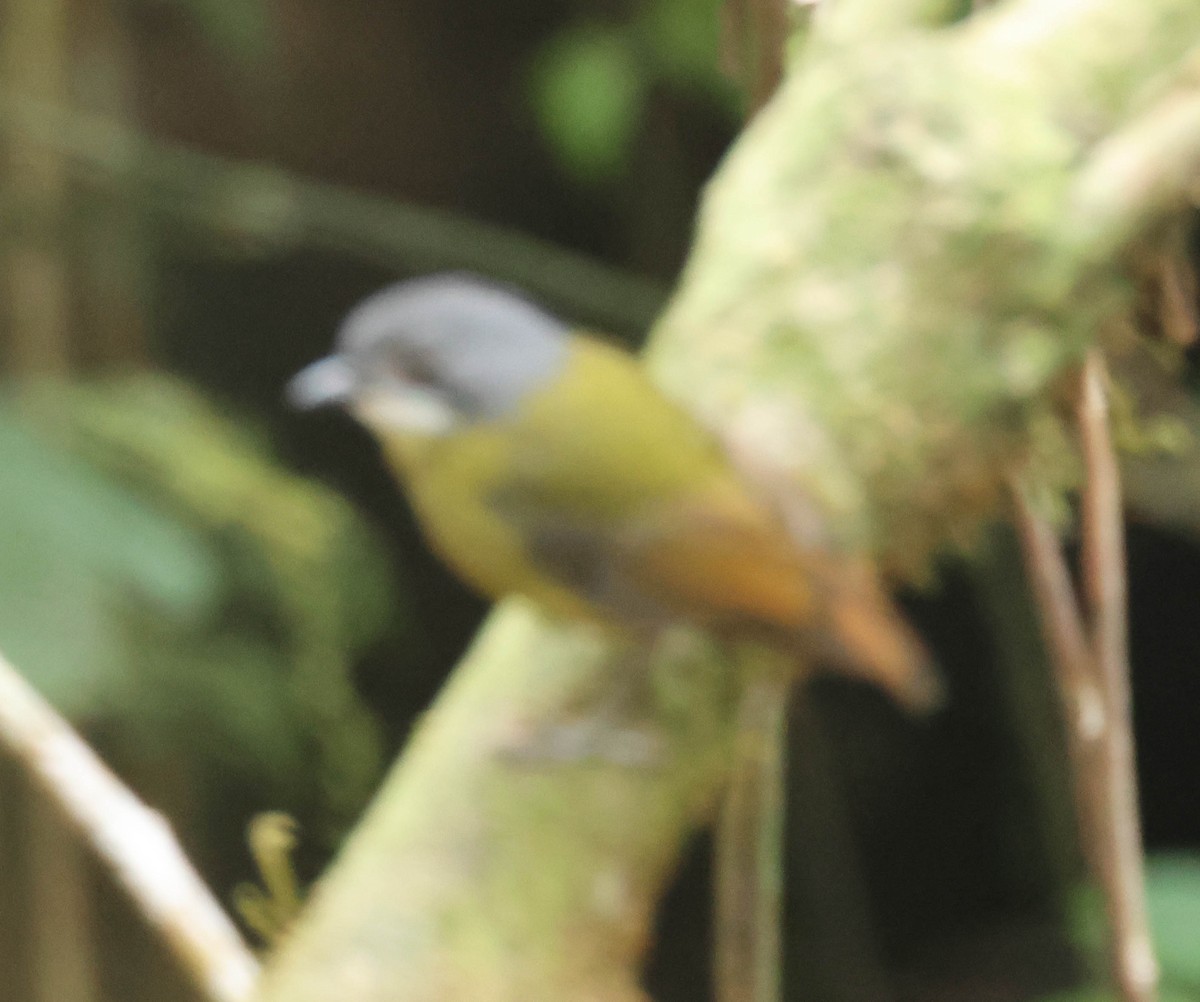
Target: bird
(543, 461)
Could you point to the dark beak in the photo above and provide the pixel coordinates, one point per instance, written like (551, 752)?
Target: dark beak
(325, 382)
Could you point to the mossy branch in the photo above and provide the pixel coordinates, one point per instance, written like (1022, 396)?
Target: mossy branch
(891, 271)
(479, 875)
(911, 243)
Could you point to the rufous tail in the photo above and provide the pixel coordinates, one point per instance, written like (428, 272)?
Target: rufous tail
(874, 642)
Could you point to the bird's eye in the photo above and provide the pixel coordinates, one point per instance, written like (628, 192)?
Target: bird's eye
(404, 365)
(417, 370)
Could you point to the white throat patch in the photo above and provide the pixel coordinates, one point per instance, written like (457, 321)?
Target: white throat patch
(411, 410)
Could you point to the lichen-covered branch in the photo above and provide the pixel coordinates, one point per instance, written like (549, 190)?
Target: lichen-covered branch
(482, 874)
(891, 268)
(888, 277)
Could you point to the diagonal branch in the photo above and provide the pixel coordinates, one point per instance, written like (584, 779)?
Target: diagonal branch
(134, 842)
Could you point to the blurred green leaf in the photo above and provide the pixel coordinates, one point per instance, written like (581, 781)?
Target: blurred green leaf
(588, 91)
(229, 695)
(56, 496)
(1173, 885)
(1173, 898)
(590, 82)
(684, 38)
(166, 580)
(74, 547)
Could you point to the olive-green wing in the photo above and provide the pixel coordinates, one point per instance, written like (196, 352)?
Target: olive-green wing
(714, 559)
(721, 562)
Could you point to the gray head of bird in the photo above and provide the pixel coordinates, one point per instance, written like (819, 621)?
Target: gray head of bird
(431, 354)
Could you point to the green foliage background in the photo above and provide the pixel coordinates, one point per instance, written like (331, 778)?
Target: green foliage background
(181, 590)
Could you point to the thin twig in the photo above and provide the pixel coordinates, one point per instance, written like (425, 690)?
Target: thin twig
(1092, 670)
(1103, 555)
(134, 841)
(1133, 962)
(1062, 626)
(1062, 622)
(749, 850)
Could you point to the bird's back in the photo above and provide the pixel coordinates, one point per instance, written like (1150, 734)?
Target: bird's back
(637, 517)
